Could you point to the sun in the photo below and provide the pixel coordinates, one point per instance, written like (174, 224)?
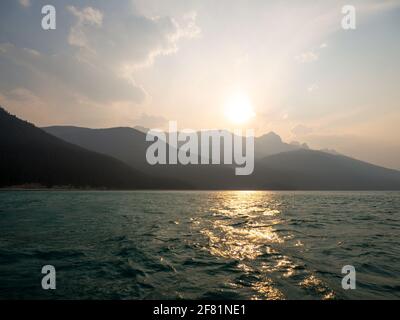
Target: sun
(238, 108)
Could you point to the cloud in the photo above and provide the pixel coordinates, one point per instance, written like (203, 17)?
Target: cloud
(24, 103)
(20, 94)
(311, 55)
(90, 66)
(379, 6)
(307, 57)
(62, 72)
(85, 18)
(25, 3)
(128, 40)
(87, 15)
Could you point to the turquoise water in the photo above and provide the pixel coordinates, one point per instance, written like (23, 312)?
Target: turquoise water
(199, 245)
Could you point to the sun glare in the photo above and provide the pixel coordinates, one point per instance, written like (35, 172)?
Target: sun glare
(238, 109)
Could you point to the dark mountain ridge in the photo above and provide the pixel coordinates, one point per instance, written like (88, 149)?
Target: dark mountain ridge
(29, 155)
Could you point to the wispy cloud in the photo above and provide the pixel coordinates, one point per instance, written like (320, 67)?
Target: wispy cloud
(25, 3)
(312, 55)
(312, 88)
(85, 18)
(307, 57)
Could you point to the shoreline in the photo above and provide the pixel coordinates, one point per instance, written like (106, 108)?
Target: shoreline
(10, 189)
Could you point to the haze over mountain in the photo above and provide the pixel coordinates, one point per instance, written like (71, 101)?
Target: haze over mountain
(129, 144)
(317, 170)
(116, 159)
(278, 165)
(126, 144)
(272, 143)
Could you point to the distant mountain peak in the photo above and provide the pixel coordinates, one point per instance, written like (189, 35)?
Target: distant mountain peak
(272, 137)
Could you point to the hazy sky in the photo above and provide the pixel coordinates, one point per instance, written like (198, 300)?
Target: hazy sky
(143, 62)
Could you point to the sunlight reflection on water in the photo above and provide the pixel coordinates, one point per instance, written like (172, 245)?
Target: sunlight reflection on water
(242, 228)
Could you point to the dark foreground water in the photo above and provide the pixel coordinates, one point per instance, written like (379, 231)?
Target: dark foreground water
(200, 245)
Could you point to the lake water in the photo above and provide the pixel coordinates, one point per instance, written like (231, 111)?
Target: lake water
(199, 245)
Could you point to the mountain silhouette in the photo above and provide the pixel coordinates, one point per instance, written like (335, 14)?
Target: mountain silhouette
(29, 155)
(278, 165)
(126, 144)
(271, 143)
(129, 144)
(317, 170)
